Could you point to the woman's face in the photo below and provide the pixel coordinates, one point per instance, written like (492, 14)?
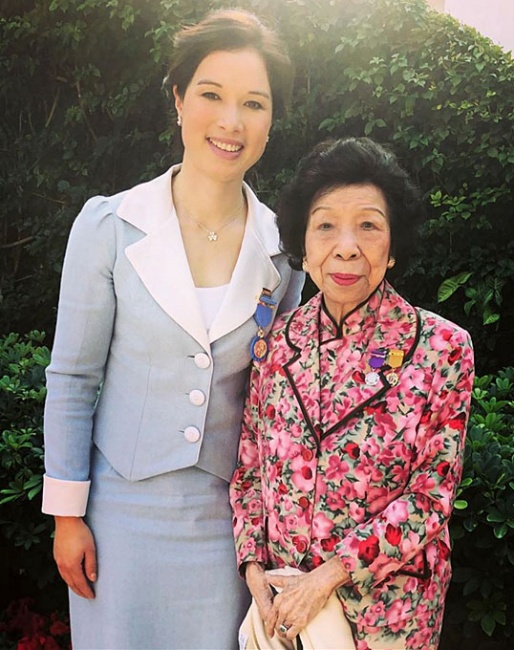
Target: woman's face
(226, 114)
(347, 244)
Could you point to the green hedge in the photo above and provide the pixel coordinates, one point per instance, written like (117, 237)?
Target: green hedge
(83, 113)
(481, 599)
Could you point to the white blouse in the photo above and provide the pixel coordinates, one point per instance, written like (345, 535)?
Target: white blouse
(210, 299)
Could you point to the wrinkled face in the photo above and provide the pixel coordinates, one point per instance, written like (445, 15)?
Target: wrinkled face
(226, 114)
(347, 244)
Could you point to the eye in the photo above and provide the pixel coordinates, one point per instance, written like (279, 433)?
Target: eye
(210, 95)
(254, 105)
(368, 225)
(325, 225)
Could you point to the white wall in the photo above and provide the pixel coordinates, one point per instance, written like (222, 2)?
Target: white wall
(492, 18)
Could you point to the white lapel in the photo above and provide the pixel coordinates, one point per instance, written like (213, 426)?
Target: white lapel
(254, 270)
(160, 259)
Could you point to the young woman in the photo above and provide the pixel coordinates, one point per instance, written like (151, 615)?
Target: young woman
(167, 291)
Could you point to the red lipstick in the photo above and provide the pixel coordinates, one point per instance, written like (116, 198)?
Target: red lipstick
(344, 279)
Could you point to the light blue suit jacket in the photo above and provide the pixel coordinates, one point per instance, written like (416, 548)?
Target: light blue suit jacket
(130, 330)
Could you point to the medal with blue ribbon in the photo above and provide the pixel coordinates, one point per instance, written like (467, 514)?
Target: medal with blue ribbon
(263, 317)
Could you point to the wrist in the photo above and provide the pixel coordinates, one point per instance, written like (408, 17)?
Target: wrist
(67, 521)
(337, 574)
(251, 568)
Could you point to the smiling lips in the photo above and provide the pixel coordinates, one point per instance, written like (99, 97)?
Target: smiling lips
(344, 279)
(226, 146)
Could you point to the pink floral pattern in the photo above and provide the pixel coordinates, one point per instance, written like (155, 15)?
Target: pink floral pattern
(329, 465)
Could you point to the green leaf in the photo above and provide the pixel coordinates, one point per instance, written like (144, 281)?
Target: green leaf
(450, 285)
(488, 624)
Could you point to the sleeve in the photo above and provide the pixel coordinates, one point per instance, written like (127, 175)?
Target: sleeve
(85, 320)
(246, 485)
(389, 540)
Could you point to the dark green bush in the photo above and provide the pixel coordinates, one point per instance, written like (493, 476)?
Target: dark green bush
(25, 557)
(481, 598)
(83, 113)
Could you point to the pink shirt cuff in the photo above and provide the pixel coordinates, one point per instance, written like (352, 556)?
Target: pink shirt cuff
(65, 498)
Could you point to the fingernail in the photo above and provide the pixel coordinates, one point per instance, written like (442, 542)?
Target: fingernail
(92, 577)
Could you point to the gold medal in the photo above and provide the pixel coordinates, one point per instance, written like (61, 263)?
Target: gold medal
(394, 361)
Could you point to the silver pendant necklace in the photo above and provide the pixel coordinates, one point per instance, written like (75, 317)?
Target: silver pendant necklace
(212, 235)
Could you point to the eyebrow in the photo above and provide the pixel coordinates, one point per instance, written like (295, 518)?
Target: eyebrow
(369, 208)
(208, 82)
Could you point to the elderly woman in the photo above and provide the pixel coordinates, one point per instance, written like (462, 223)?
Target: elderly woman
(354, 429)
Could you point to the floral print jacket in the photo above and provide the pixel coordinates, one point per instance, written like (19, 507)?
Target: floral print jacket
(331, 465)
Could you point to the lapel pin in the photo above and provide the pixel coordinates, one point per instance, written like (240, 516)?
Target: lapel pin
(376, 361)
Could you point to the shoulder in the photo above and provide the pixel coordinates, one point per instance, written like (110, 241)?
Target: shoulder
(144, 205)
(262, 221)
(298, 319)
(94, 233)
(433, 329)
(435, 326)
(97, 210)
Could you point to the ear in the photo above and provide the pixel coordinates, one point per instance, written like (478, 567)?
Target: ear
(179, 102)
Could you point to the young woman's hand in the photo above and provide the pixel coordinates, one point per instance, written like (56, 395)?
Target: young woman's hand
(75, 554)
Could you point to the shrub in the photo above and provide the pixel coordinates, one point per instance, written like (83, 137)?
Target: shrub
(83, 114)
(481, 599)
(23, 529)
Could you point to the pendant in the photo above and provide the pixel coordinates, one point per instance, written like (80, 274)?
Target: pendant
(372, 378)
(259, 348)
(212, 236)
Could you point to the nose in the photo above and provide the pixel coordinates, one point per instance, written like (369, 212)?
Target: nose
(346, 246)
(230, 118)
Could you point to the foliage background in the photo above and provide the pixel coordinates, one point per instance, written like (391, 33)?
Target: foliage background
(83, 113)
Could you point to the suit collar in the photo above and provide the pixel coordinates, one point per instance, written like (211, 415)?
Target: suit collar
(159, 258)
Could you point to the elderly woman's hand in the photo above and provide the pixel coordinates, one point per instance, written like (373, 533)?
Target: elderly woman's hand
(302, 596)
(259, 588)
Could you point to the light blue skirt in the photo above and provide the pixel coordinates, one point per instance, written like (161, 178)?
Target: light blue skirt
(167, 576)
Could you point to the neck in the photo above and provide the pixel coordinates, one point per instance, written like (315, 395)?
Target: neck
(211, 202)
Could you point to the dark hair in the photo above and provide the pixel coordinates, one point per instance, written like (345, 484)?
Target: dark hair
(228, 30)
(350, 161)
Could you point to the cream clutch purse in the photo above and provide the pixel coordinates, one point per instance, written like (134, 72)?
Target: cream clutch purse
(329, 630)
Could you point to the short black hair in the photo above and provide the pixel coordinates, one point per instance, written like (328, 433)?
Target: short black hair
(350, 161)
(229, 30)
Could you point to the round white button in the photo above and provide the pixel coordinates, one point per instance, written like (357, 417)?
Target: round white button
(191, 434)
(202, 360)
(196, 397)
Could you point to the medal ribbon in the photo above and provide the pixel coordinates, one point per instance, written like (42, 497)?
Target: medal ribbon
(263, 317)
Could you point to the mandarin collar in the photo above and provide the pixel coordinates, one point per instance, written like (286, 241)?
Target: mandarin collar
(361, 319)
